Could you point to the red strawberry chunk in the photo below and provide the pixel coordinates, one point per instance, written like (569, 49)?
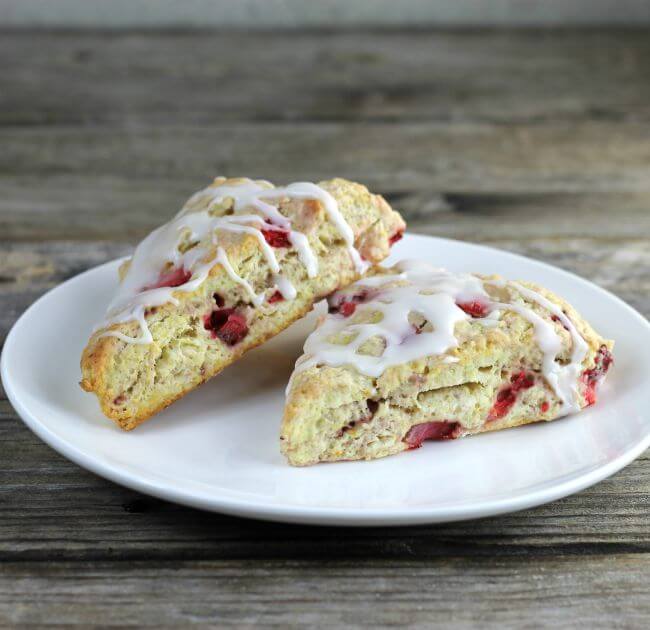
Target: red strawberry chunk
(590, 393)
(218, 318)
(604, 359)
(234, 330)
(396, 237)
(277, 238)
(557, 320)
(373, 405)
(504, 402)
(276, 297)
(173, 278)
(434, 430)
(475, 308)
(507, 396)
(346, 305)
(592, 377)
(522, 381)
(227, 324)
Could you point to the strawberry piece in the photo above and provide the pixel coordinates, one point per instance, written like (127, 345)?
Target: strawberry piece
(590, 393)
(504, 402)
(434, 430)
(217, 318)
(396, 237)
(347, 308)
(507, 396)
(227, 324)
(545, 406)
(557, 320)
(234, 330)
(347, 304)
(277, 238)
(591, 378)
(276, 297)
(173, 278)
(522, 381)
(475, 308)
(373, 405)
(604, 358)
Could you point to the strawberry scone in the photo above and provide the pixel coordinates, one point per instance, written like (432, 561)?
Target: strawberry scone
(417, 353)
(238, 264)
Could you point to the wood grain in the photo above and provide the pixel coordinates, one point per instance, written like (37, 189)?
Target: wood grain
(542, 593)
(63, 182)
(194, 78)
(535, 142)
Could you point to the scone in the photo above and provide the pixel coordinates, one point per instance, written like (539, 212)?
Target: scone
(238, 264)
(417, 353)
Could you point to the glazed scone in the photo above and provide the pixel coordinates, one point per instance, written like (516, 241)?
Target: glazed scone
(416, 353)
(238, 264)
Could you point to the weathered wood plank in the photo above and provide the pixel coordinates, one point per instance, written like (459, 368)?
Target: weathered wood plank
(409, 157)
(527, 216)
(27, 270)
(66, 183)
(598, 592)
(79, 207)
(193, 78)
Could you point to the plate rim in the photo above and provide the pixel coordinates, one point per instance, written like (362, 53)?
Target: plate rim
(316, 515)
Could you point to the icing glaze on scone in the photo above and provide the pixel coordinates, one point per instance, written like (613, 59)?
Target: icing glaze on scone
(386, 309)
(170, 260)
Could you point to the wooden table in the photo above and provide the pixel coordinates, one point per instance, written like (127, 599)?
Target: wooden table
(536, 142)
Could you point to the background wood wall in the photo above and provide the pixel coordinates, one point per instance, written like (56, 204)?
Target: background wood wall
(321, 13)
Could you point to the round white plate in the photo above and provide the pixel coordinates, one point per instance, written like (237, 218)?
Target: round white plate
(217, 448)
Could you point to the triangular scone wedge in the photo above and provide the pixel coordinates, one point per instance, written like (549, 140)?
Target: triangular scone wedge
(238, 264)
(417, 353)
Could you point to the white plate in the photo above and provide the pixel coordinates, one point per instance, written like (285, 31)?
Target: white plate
(217, 448)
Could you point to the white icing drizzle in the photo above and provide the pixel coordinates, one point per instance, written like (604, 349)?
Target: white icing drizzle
(563, 379)
(435, 294)
(287, 290)
(232, 225)
(160, 250)
(305, 253)
(307, 190)
(137, 313)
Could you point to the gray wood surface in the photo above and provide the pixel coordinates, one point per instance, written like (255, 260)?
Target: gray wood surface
(535, 142)
(296, 14)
